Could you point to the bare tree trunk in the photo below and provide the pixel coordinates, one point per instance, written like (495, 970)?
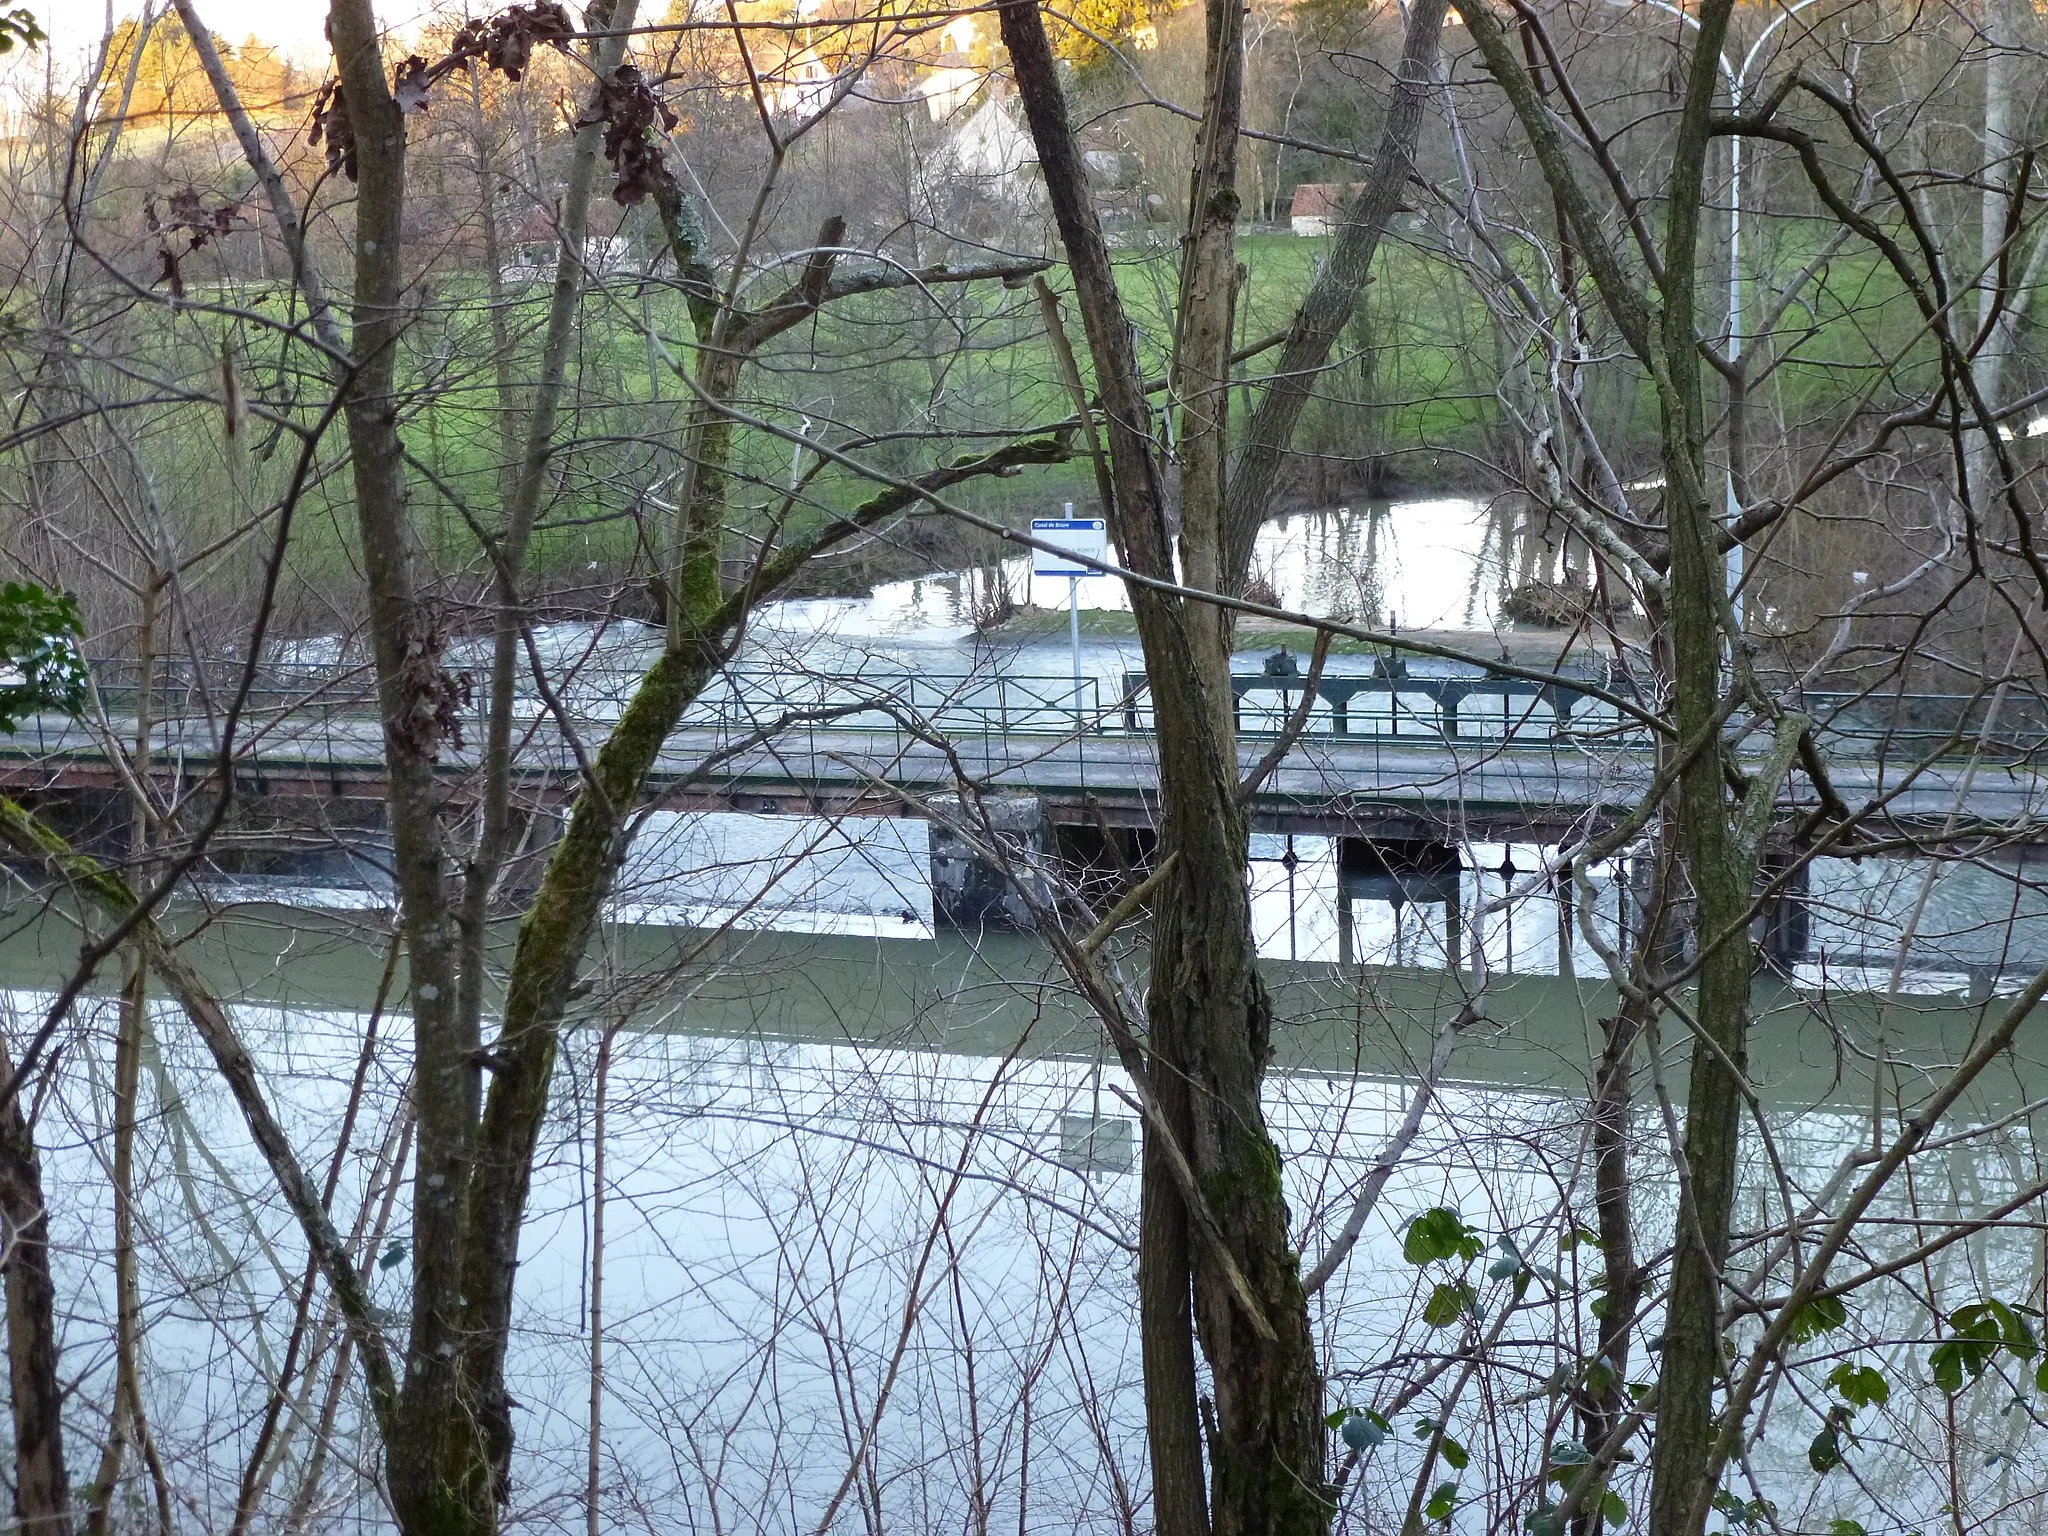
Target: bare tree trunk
(1209, 1016)
(1718, 833)
(1200, 377)
(276, 194)
(42, 1485)
(593, 1469)
(2002, 295)
(1621, 1284)
(448, 1430)
(1332, 300)
(1693, 1362)
(528, 479)
(441, 1479)
(125, 1420)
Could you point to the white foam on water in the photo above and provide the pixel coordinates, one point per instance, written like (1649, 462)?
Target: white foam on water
(864, 875)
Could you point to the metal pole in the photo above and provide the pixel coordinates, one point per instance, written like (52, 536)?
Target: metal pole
(1074, 628)
(1732, 503)
(1074, 640)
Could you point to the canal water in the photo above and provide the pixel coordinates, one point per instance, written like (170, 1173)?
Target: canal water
(1445, 564)
(869, 1218)
(862, 1243)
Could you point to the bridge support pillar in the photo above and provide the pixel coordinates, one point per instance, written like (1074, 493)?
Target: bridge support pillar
(1786, 927)
(970, 891)
(1403, 873)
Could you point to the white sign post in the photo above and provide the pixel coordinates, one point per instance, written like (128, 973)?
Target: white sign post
(1086, 538)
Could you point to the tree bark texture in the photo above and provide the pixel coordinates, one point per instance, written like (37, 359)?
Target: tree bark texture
(446, 1422)
(441, 1483)
(528, 477)
(1693, 1362)
(1208, 1014)
(1717, 864)
(1199, 380)
(42, 1484)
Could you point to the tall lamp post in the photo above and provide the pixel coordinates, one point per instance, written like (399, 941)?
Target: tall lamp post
(1737, 78)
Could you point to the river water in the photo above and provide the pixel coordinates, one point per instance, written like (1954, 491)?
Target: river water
(869, 1208)
(1441, 566)
(868, 1192)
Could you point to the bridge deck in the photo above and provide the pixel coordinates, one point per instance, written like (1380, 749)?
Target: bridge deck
(1525, 783)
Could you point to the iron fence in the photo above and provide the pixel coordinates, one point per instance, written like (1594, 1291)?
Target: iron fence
(302, 702)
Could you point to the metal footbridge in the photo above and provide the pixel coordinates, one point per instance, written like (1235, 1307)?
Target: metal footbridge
(1480, 755)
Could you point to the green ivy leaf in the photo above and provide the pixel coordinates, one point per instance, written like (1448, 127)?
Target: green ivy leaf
(1846, 1528)
(1748, 1513)
(1995, 1320)
(19, 26)
(40, 665)
(1612, 1509)
(1823, 1314)
(1954, 1359)
(1449, 1302)
(1860, 1386)
(1442, 1502)
(1978, 1321)
(1825, 1453)
(1440, 1234)
(1569, 1453)
(1598, 1375)
(1946, 1366)
(1363, 1431)
(1456, 1457)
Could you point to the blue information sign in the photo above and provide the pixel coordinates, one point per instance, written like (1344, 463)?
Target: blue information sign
(1084, 536)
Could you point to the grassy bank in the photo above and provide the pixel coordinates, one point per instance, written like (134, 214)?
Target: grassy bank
(1416, 387)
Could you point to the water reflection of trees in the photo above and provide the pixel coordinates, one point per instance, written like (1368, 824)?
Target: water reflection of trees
(838, 1264)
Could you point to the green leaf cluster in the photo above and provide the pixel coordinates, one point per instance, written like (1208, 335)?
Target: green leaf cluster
(1441, 1502)
(1455, 1456)
(1858, 1386)
(1977, 1333)
(1440, 1234)
(1566, 1458)
(41, 667)
(1361, 1428)
(1823, 1314)
(18, 26)
(1750, 1514)
(1450, 1301)
(1824, 1454)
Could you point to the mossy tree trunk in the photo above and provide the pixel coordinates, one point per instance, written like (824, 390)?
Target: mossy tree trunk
(1209, 1018)
(447, 1421)
(1717, 818)
(42, 1482)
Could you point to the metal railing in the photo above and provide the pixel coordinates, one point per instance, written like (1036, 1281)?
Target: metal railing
(1479, 707)
(302, 702)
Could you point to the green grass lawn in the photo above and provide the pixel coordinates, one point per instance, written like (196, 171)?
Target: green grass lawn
(981, 364)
